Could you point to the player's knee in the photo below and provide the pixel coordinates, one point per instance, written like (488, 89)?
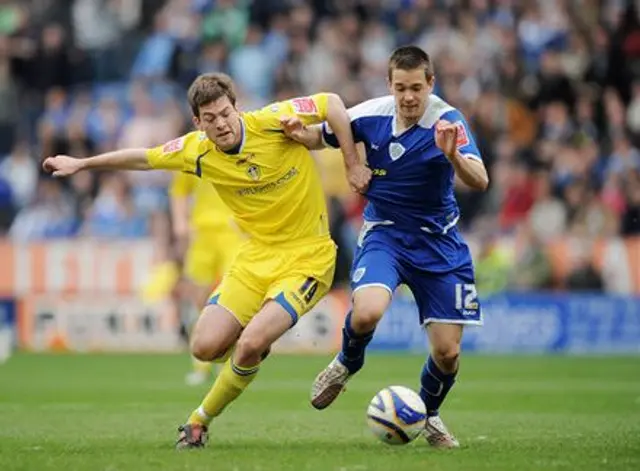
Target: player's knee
(250, 349)
(446, 354)
(367, 314)
(204, 349)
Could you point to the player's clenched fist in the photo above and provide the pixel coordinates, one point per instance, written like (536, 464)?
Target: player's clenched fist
(61, 165)
(359, 176)
(447, 137)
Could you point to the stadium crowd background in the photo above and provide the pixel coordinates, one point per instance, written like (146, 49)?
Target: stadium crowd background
(550, 87)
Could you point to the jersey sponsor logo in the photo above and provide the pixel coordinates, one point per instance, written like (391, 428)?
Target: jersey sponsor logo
(254, 172)
(358, 274)
(396, 150)
(463, 139)
(304, 105)
(174, 146)
(268, 187)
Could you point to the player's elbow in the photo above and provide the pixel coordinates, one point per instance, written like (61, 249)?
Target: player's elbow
(334, 102)
(483, 183)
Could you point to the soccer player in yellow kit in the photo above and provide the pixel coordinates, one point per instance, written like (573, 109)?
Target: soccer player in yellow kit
(208, 240)
(272, 187)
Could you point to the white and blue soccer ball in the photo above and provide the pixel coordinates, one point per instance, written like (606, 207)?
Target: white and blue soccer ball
(396, 415)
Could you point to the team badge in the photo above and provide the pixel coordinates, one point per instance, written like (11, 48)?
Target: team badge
(396, 150)
(173, 146)
(358, 274)
(304, 105)
(254, 172)
(463, 139)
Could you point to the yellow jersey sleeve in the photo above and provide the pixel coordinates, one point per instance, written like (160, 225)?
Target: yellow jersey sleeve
(310, 109)
(182, 185)
(173, 154)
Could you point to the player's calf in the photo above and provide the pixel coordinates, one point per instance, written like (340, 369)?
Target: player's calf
(447, 355)
(251, 349)
(369, 305)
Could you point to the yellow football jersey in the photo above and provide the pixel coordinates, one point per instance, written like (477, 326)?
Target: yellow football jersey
(271, 185)
(208, 212)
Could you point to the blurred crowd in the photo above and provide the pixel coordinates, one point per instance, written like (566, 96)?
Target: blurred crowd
(550, 87)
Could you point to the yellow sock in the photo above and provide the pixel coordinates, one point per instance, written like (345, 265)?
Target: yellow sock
(201, 366)
(229, 384)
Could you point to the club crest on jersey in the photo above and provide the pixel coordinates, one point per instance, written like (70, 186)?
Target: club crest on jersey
(463, 139)
(396, 150)
(304, 105)
(358, 274)
(254, 172)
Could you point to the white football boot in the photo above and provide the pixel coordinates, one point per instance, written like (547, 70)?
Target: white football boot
(437, 434)
(329, 384)
(196, 378)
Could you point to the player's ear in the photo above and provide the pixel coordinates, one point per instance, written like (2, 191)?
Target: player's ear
(196, 122)
(431, 82)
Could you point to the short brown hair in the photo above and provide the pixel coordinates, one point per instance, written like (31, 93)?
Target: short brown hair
(409, 58)
(207, 88)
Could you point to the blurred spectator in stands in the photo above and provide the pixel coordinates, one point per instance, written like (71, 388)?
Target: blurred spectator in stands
(20, 171)
(112, 215)
(50, 215)
(9, 104)
(531, 269)
(493, 265)
(631, 217)
(548, 215)
(154, 120)
(583, 275)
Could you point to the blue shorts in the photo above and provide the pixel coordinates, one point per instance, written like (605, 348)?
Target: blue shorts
(442, 296)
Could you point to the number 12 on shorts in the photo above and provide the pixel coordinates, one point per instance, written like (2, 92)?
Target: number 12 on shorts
(466, 297)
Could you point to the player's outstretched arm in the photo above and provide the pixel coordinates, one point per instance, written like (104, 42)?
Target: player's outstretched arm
(358, 174)
(339, 121)
(125, 159)
(311, 136)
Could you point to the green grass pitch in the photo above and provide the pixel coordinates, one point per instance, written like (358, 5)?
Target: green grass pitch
(120, 412)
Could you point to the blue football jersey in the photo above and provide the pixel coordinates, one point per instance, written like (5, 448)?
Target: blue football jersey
(412, 188)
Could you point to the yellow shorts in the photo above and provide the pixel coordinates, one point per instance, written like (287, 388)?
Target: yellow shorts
(296, 276)
(210, 255)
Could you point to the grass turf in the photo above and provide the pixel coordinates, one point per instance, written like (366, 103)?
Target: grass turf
(120, 412)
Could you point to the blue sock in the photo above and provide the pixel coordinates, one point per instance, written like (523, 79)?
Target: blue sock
(434, 386)
(353, 346)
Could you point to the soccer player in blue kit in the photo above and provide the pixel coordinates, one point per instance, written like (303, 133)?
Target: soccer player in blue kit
(416, 144)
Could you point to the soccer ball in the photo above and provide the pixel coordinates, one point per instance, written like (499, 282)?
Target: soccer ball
(396, 415)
